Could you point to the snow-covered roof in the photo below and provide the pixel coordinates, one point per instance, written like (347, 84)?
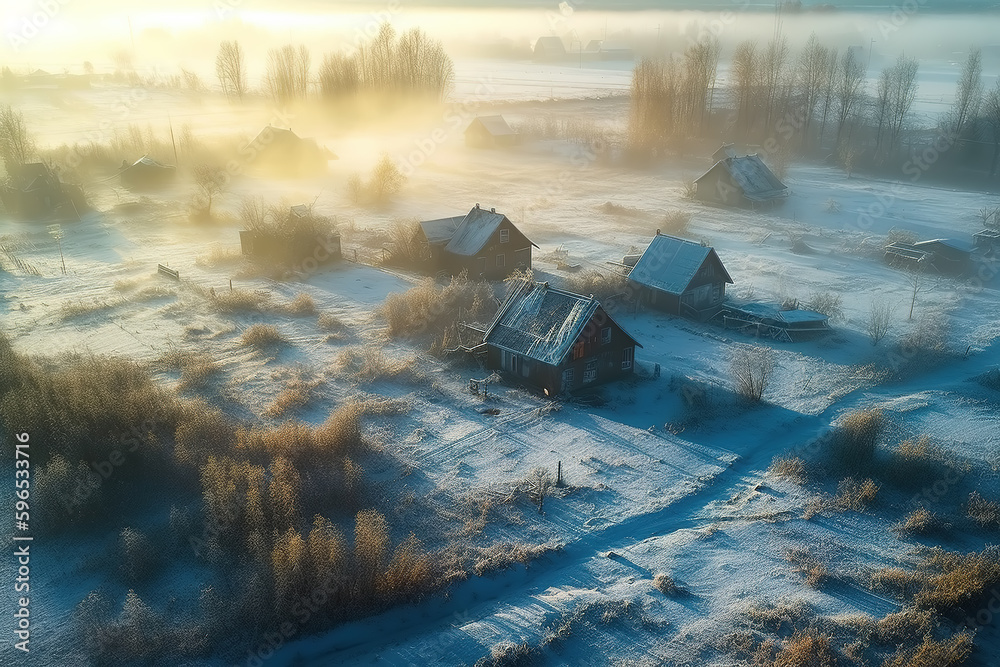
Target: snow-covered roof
(541, 322)
(954, 244)
(772, 312)
(475, 230)
(495, 125)
(670, 264)
(146, 161)
(442, 229)
(749, 172)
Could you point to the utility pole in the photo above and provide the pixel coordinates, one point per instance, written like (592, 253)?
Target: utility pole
(55, 231)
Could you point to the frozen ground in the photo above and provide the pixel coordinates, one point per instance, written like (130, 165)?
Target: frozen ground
(694, 501)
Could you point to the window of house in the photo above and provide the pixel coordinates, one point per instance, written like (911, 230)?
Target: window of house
(567, 377)
(590, 372)
(628, 356)
(605, 335)
(504, 235)
(501, 261)
(579, 350)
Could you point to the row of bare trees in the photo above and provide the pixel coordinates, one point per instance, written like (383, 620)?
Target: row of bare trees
(805, 101)
(410, 64)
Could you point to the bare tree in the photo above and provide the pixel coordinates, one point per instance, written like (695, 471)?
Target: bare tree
(773, 63)
(879, 321)
(287, 74)
(745, 74)
(654, 112)
(539, 483)
(701, 66)
(991, 108)
(254, 211)
(897, 89)
(810, 78)
(230, 67)
(16, 146)
(339, 76)
(386, 179)
(751, 367)
(969, 95)
(850, 77)
(829, 89)
(209, 180)
(916, 280)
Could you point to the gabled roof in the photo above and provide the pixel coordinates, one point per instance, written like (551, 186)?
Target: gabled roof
(466, 235)
(550, 42)
(495, 125)
(749, 172)
(954, 244)
(670, 264)
(274, 136)
(726, 150)
(541, 322)
(146, 161)
(442, 229)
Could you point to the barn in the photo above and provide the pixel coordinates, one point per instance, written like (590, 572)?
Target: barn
(680, 277)
(557, 341)
(740, 181)
(490, 132)
(485, 244)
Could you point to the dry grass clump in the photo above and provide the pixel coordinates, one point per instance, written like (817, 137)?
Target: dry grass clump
(781, 619)
(138, 557)
(336, 329)
(944, 653)
(602, 285)
(792, 468)
(827, 303)
(509, 654)
(897, 581)
(369, 363)
(806, 650)
(262, 337)
(922, 522)
(665, 584)
(853, 445)
(152, 293)
(984, 512)
(962, 581)
(196, 368)
(301, 305)
(296, 394)
(806, 563)
(77, 308)
(854, 495)
(431, 310)
(902, 625)
(612, 208)
(241, 301)
(219, 256)
(505, 554)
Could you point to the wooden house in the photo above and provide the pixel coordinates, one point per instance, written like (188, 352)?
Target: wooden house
(483, 243)
(680, 277)
(146, 173)
(557, 341)
(282, 152)
(740, 181)
(490, 132)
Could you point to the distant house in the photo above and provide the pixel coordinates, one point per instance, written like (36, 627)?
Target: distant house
(740, 181)
(946, 256)
(147, 173)
(300, 238)
(283, 152)
(598, 49)
(549, 48)
(490, 132)
(557, 341)
(38, 192)
(680, 277)
(485, 244)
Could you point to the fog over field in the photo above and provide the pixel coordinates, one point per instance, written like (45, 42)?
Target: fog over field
(500, 333)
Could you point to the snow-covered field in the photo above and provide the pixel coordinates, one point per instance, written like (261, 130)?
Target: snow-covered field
(650, 488)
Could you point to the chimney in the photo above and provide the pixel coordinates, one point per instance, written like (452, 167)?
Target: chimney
(493, 210)
(477, 205)
(657, 232)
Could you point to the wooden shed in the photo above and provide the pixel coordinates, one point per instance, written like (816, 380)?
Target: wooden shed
(740, 181)
(490, 132)
(483, 243)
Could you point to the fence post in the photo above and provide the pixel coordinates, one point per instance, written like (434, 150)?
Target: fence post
(559, 473)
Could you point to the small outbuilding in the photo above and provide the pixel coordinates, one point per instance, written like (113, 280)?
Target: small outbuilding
(38, 193)
(987, 240)
(490, 132)
(557, 341)
(944, 256)
(147, 173)
(485, 244)
(680, 277)
(762, 320)
(550, 48)
(740, 181)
